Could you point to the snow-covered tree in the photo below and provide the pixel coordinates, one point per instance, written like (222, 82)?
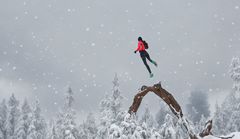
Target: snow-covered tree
(201, 124)
(226, 117)
(52, 134)
(168, 128)
(116, 98)
(171, 129)
(198, 105)
(147, 118)
(89, 127)
(155, 134)
(13, 117)
(219, 121)
(235, 75)
(38, 126)
(110, 107)
(3, 120)
(128, 126)
(161, 114)
(66, 127)
(25, 121)
(115, 132)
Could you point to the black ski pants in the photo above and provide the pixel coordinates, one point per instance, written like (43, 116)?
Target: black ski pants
(144, 55)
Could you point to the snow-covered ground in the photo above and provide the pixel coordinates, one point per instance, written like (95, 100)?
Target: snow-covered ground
(236, 135)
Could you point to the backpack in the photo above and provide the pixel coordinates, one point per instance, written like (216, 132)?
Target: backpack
(145, 44)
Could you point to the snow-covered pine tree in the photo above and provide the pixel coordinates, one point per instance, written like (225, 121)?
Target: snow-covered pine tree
(161, 114)
(138, 133)
(115, 132)
(66, 127)
(169, 130)
(52, 134)
(226, 117)
(219, 121)
(110, 107)
(89, 127)
(128, 126)
(3, 120)
(147, 123)
(234, 123)
(13, 117)
(38, 126)
(24, 121)
(235, 75)
(104, 117)
(155, 134)
(201, 124)
(232, 103)
(198, 105)
(116, 99)
(147, 118)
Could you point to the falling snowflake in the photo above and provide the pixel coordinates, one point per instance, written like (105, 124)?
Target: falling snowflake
(236, 7)
(93, 44)
(87, 29)
(189, 4)
(102, 25)
(35, 17)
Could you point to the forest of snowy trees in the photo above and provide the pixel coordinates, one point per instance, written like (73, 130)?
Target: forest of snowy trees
(20, 120)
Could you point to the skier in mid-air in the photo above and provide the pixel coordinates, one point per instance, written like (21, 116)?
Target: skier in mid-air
(142, 46)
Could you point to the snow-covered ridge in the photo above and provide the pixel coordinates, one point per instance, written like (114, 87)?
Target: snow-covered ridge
(235, 135)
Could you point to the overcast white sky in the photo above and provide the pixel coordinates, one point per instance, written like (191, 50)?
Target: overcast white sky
(48, 45)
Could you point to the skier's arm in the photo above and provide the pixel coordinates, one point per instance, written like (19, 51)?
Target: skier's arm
(138, 48)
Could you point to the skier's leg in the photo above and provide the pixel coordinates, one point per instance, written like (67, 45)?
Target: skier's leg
(148, 57)
(145, 63)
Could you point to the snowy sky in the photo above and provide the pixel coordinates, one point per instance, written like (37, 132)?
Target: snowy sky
(48, 45)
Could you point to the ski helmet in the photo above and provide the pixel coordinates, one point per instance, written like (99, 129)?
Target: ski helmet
(139, 38)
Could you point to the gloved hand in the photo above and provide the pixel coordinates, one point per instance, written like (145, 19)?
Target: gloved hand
(135, 52)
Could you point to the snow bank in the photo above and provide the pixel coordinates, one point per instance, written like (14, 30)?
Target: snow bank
(235, 134)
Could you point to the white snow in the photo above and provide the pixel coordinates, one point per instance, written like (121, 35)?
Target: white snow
(235, 134)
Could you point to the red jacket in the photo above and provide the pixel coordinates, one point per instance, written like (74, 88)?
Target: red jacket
(140, 46)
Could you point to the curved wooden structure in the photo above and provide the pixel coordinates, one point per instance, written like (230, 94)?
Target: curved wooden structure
(162, 93)
(173, 105)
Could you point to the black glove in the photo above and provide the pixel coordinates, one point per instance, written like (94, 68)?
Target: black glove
(135, 52)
